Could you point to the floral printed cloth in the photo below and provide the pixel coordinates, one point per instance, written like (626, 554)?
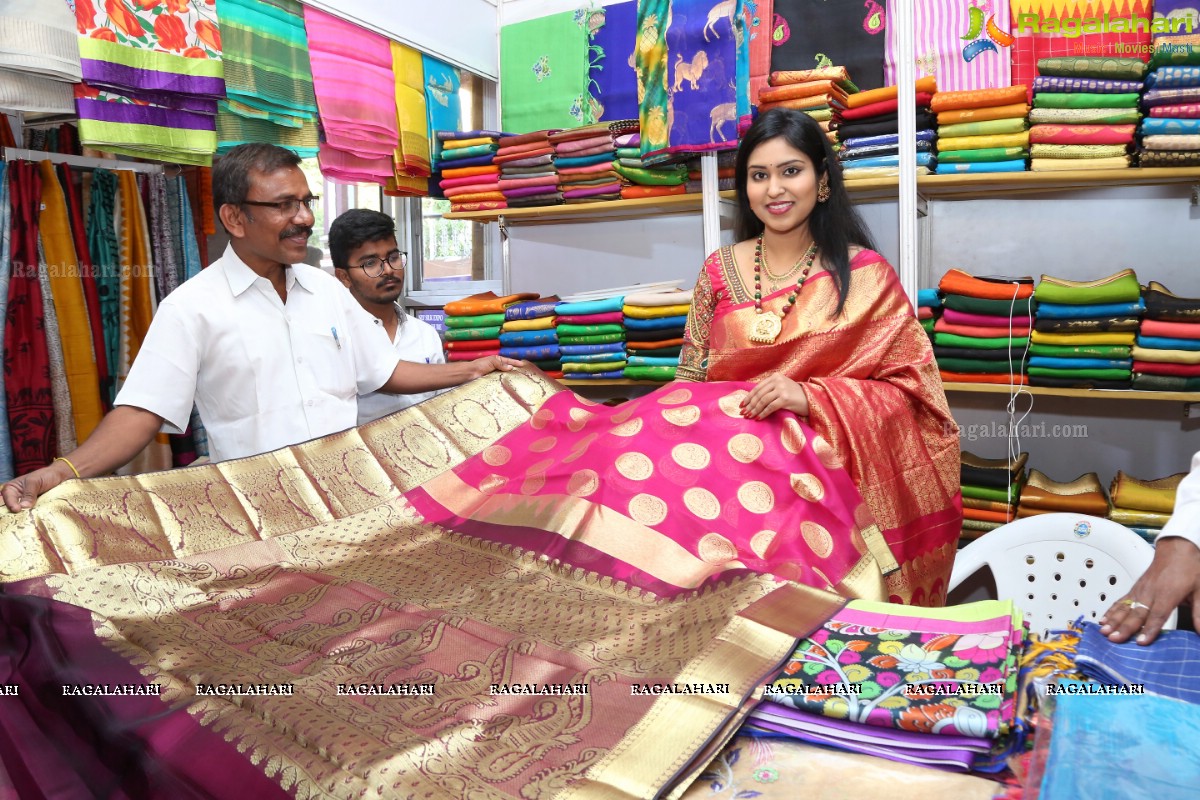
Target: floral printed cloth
(949, 671)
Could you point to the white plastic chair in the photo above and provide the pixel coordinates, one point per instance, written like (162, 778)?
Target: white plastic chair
(1057, 567)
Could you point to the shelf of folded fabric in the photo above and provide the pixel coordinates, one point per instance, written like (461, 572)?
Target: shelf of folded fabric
(608, 382)
(1053, 391)
(636, 208)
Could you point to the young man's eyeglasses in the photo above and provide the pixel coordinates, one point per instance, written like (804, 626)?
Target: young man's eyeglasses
(289, 208)
(372, 266)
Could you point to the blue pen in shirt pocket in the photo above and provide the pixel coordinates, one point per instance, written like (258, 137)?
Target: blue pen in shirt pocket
(336, 340)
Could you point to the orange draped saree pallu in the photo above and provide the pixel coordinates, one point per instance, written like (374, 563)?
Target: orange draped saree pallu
(874, 394)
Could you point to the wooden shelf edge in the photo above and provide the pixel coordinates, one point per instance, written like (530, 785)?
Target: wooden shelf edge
(1050, 391)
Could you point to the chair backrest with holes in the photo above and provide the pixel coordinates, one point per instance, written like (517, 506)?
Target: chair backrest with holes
(1058, 567)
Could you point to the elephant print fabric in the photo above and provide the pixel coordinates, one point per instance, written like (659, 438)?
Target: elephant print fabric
(849, 33)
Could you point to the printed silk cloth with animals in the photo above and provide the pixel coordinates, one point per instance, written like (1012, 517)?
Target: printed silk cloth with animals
(695, 75)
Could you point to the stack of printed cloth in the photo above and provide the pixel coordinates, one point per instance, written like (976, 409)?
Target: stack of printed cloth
(527, 175)
(528, 333)
(929, 307)
(591, 336)
(982, 334)
(820, 93)
(869, 132)
(726, 169)
(1084, 331)
(470, 178)
(928, 686)
(1043, 495)
(639, 180)
(1171, 131)
(589, 152)
(473, 324)
(1085, 112)
(1001, 146)
(1143, 505)
(654, 324)
(1138, 742)
(991, 488)
(1166, 356)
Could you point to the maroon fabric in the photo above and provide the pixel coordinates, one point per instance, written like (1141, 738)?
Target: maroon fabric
(56, 745)
(87, 273)
(26, 358)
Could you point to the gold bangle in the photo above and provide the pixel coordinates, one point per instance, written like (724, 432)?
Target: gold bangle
(69, 464)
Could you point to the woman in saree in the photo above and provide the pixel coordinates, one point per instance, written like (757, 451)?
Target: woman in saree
(803, 308)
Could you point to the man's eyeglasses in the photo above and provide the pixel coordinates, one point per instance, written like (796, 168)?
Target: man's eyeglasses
(372, 266)
(289, 208)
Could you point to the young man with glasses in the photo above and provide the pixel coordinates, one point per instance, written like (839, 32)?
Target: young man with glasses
(368, 262)
(271, 351)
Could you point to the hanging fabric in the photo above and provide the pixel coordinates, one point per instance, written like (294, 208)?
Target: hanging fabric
(39, 56)
(412, 156)
(185, 225)
(944, 50)
(6, 459)
(612, 75)
(544, 62)
(70, 309)
(166, 270)
(102, 222)
(815, 33)
(26, 360)
(60, 390)
(441, 96)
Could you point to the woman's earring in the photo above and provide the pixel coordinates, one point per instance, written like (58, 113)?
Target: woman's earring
(823, 190)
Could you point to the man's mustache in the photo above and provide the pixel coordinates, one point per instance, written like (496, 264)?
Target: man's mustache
(296, 231)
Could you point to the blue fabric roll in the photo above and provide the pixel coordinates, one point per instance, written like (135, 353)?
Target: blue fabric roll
(607, 347)
(887, 139)
(1173, 78)
(1095, 311)
(591, 306)
(930, 298)
(534, 309)
(594, 376)
(543, 353)
(1055, 362)
(591, 358)
(1158, 126)
(584, 161)
(652, 361)
(1163, 343)
(923, 160)
(528, 338)
(1013, 165)
(657, 324)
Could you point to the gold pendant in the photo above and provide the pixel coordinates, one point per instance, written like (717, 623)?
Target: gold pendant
(766, 328)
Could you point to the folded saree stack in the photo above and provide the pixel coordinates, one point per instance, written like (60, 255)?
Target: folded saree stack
(1166, 353)
(654, 324)
(929, 308)
(1171, 130)
(991, 488)
(866, 145)
(469, 174)
(1084, 331)
(934, 687)
(640, 180)
(473, 324)
(39, 57)
(528, 333)
(982, 130)
(820, 93)
(982, 334)
(151, 80)
(1143, 505)
(1085, 113)
(1041, 494)
(527, 175)
(268, 77)
(591, 335)
(589, 152)
(726, 173)
(1172, 97)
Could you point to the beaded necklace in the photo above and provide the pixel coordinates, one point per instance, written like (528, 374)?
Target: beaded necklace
(768, 325)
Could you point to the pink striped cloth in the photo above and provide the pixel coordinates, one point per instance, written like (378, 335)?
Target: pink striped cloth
(603, 166)
(356, 96)
(985, 320)
(471, 180)
(939, 28)
(520, 183)
(346, 166)
(1185, 111)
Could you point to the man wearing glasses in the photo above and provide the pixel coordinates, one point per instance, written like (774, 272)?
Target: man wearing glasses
(368, 262)
(271, 351)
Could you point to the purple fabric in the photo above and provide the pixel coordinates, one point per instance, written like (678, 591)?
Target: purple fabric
(1169, 97)
(615, 81)
(1045, 83)
(56, 745)
(123, 78)
(629, 140)
(592, 191)
(530, 191)
(104, 111)
(535, 161)
(477, 161)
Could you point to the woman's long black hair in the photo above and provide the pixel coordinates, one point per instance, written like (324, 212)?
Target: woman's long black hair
(836, 223)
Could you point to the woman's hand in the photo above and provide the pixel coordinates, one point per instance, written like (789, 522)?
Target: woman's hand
(772, 394)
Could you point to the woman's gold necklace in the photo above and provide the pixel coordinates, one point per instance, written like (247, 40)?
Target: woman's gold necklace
(768, 325)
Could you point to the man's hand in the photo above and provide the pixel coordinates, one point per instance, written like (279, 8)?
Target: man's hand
(773, 393)
(1172, 577)
(482, 366)
(21, 493)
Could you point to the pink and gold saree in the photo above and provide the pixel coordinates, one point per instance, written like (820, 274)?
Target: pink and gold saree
(875, 398)
(498, 593)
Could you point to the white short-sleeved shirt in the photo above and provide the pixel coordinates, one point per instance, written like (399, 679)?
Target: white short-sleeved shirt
(263, 373)
(417, 341)
(1185, 519)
